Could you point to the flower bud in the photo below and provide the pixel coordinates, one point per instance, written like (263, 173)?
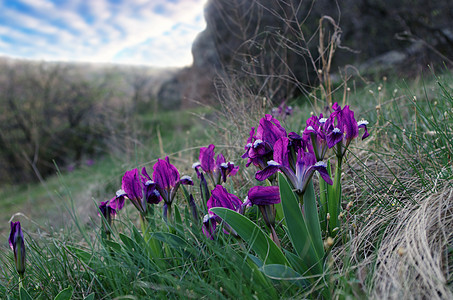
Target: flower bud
(16, 242)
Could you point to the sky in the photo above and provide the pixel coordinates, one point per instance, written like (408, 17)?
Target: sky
(140, 32)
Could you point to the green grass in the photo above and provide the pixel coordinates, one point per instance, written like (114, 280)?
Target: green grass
(408, 157)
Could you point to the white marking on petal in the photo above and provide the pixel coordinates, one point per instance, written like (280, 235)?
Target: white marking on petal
(186, 177)
(273, 163)
(208, 216)
(149, 182)
(205, 218)
(245, 200)
(362, 122)
(321, 164)
(120, 193)
(249, 145)
(256, 143)
(224, 165)
(336, 130)
(323, 120)
(196, 164)
(310, 128)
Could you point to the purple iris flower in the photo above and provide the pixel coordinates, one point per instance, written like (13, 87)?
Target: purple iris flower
(139, 188)
(106, 209)
(259, 147)
(265, 197)
(17, 244)
(216, 168)
(270, 130)
(193, 208)
(167, 180)
(303, 170)
(363, 124)
(117, 202)
(297, 142)
(152, 195)
(110, 208)
(220, 198)
(315, 132)
(207, 161)
(107, 212)
(344, 130)
(209, 226)
(132, 184)
(282, 111)
(256, 151)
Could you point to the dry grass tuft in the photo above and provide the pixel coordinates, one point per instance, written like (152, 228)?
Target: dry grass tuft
(398, 237)
(404, 252)
(412, 260)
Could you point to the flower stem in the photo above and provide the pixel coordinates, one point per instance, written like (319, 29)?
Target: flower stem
(334, 201)
(323, 202)
(144, 226)
(274, 237)
(301, 202)
(21, 279)
(170, 214)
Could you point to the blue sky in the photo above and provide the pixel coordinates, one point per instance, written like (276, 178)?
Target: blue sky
(150, 32)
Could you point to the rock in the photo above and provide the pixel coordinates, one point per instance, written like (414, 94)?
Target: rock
(253, 42)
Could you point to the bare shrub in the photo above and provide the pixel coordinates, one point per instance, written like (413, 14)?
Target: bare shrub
(51, 113)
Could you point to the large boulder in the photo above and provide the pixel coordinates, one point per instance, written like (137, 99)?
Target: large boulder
(265, 43)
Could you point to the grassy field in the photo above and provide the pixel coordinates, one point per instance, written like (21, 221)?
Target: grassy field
(395, 239)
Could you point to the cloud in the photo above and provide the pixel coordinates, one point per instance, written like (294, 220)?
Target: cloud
(151, 32)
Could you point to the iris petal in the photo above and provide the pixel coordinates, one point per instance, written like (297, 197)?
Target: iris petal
(264, 195)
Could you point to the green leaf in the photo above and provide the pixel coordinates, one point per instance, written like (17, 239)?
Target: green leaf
(256, 260)
(298, 232)
(173, 241)
(279, 213)
(282, 272)
(296, 262)
(65, 294)
(187, 217)
(83, 255)
(258, 277)
(312, 219)
(128, 243)
(323, 193)
(185, 193)
(260, 242)
(178, 221)
(151, 247)
(113, 245)
(89, 297)
(334, 199)
(24, 295)
(138, 238)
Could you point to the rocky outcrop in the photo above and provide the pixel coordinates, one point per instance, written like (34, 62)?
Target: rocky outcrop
(266, 42)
